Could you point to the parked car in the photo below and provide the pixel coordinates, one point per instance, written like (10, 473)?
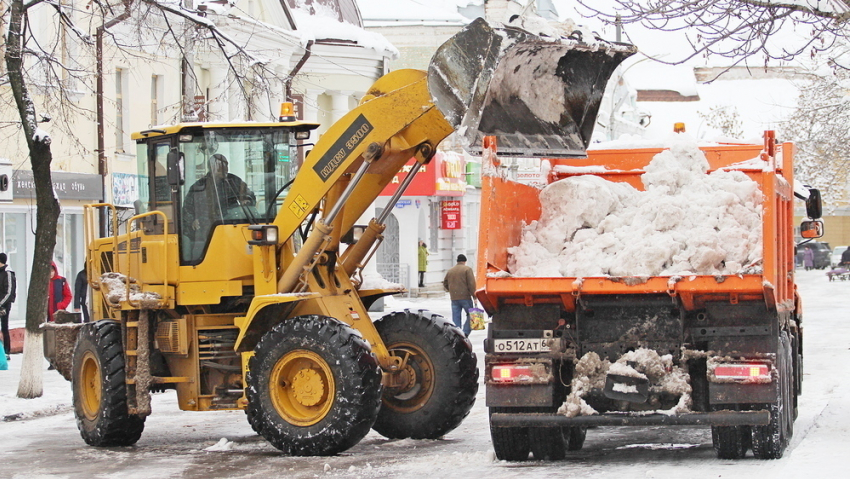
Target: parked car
(822, 251)
(836, 255)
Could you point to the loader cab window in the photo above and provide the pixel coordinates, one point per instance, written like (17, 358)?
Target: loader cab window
(232, 176)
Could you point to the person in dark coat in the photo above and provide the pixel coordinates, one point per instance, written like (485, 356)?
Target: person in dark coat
(845, 259)
(7, 297)
(58, 292)
(211, 200)
(460, 283)
(81, 292)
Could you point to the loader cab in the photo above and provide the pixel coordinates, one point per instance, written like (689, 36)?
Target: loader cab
(203, 175)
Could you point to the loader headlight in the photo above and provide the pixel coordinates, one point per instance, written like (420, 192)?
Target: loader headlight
(263, 235)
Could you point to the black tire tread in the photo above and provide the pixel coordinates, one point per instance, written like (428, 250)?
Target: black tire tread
(509, 443)
(114, 426)
(456, 375)
(728, 442)
(548, 443)
(357, 376)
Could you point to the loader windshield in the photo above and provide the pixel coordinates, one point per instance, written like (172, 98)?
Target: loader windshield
(232, 176)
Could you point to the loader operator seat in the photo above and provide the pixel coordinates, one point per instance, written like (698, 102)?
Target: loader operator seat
(216, 198)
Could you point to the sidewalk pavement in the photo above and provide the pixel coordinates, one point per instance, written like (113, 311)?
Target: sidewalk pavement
(56, 397)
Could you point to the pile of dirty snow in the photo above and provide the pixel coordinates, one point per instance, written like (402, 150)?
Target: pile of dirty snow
(663, 377)
(685, 222)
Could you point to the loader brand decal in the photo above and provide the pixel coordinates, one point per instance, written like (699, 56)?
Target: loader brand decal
(342, 148)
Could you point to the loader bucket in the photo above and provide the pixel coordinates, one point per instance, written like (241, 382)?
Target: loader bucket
(539, 95)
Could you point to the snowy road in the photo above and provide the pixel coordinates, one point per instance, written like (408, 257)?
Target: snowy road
(174, 442)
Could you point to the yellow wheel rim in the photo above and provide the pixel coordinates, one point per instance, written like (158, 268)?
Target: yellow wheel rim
(417, 378)
(92, 385)
(302, 387)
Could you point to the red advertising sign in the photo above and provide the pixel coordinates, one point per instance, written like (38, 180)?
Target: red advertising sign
(443, 176)
(450, 215)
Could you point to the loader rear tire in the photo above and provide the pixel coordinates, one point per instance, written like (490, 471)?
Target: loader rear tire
(314, 386)
(440, 375)
(509, 443)
(99, 390)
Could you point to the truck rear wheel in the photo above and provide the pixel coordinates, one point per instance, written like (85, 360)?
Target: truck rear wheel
(548, 443)
(769, 441)
(439, 372)
(730, 442)
(576, 435)
(313, 387)
(99, 390)
(509, 443)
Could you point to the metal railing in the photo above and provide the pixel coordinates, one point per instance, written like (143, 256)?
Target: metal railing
(396, 273)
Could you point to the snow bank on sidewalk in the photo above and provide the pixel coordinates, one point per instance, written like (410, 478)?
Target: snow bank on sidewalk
(55, 400)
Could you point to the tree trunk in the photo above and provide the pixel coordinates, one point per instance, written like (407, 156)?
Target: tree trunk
(47, 208)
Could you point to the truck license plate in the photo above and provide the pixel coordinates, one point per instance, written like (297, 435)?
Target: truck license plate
(521, 345)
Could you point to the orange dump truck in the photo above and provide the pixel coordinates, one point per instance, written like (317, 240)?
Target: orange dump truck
(565, 353)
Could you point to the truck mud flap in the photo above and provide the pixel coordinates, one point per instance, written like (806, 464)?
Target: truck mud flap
(539, 95)
(717, 418)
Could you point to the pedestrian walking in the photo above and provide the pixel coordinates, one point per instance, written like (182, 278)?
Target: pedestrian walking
(808, 258)
(460, 283)
(8, 288)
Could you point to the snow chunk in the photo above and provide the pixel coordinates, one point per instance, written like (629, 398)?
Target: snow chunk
(117, 289)
(222, 445)
(685, 222)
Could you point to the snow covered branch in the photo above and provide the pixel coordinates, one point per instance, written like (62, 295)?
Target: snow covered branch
(737, 29)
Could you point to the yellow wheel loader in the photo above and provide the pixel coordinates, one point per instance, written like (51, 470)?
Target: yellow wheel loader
(231, 283)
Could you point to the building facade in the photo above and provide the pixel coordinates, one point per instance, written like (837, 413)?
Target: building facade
(236, 62)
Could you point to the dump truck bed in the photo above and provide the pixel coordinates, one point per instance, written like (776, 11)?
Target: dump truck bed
(508, 206)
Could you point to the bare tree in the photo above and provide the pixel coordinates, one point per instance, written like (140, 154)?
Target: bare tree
(47, 206)
(724, 119)
(737, 29)
(819, 128)
(42, 74)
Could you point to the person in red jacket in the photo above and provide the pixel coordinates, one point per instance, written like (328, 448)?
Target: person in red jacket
(58, 293)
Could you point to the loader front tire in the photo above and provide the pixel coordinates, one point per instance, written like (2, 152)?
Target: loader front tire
(314, 386)
(99, 390)
(439, 376)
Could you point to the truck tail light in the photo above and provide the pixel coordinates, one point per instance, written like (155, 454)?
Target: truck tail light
(743, 371)
(508, 373)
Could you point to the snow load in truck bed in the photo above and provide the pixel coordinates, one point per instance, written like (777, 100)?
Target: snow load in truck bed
(685, 222)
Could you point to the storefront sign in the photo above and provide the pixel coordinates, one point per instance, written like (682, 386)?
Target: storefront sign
(450, 215)
(403, 203)
(68, 186)
(443, 176)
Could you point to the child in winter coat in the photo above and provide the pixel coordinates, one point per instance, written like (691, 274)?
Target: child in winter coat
(58, 293)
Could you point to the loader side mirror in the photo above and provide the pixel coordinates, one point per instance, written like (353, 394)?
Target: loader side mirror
(814, 206)
(176, 175)
(811, 229)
